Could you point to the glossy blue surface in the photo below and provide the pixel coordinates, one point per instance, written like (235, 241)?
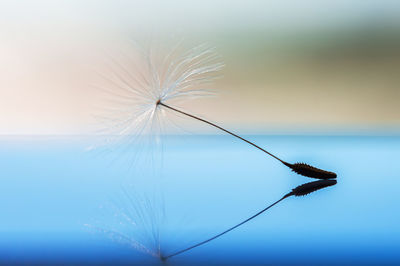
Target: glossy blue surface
(58, 201)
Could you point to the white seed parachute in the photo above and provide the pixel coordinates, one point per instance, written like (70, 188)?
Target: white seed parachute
(137, 79)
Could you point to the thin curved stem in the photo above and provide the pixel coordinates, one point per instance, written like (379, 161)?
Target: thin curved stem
(226, 231)
(221, 128)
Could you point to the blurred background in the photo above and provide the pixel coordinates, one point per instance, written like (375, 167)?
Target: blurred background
(291, 66)
(311, 81)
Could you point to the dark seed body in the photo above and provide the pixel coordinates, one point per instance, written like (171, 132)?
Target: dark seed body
(310, 187)
(310, 171)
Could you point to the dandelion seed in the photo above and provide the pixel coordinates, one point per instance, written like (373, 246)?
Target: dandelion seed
(176, 77)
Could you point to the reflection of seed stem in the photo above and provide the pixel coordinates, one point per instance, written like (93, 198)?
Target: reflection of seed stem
(223, 233)
(301, 190)
(300, 168)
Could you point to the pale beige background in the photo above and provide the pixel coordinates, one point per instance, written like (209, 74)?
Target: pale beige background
(291, 66)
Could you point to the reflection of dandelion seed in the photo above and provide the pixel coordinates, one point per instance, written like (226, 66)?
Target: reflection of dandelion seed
(301, 190)
(138, 223)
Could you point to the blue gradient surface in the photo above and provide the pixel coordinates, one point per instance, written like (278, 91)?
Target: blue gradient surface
(56, 198)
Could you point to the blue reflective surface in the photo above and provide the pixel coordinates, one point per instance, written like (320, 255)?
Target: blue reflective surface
(59, 202)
